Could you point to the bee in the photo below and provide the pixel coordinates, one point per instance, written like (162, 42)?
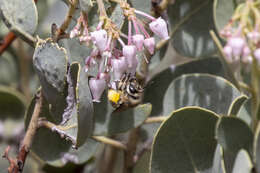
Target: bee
(126, 93)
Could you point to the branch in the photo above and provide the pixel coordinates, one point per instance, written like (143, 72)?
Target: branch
(7, 40)
(131, 149)
(27, 141)
(109, 141)
(158, 119)
(60, 31)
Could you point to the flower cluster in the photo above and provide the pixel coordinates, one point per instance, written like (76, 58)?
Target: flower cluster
(243, 42)
(110, 52)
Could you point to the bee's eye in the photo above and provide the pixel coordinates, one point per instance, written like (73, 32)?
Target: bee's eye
(132, 89)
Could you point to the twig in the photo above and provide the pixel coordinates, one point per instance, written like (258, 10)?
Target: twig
(131, 149)
(7, 40)
(109, 141)
(27, 141)
(227, 68)
(101, 8)
(158, 119)
(61, 30)
(146, 147)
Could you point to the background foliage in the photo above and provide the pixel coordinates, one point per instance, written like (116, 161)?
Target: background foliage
(194, 116)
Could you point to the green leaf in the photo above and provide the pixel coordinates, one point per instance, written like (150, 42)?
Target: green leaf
(207, 91)
(233, 134)
(144, 6)
(8, 70)
(142, 165)
(223, 11)
(218, 161)
(109, 122)
(257, 148)
(156, 88)
(85, 109)
(243, 163)
(118, 17)
(191, 22)
(237, 104)
(185, 142)
(12, 103)
(20, 16)
(86, 5)
(123, 121)
(245, 112)
(51, 148)
(50, 63)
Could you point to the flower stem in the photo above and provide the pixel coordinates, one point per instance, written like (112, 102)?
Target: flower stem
(101, 7)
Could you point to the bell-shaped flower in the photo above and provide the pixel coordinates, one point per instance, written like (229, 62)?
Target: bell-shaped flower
(237, 44)
(149, 44)
(254, 36)
(129, 52)
(119, 67)
(138, 40)
(99, 38)
(228, 52)
(132, 69)
(97, 87)
(159, 27)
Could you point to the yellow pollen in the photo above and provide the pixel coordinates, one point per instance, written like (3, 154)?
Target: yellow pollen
(113, 96)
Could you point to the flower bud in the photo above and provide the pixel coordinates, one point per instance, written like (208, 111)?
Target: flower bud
(97, 87)
(138, 40)
(254, 36)
(149, 44)
(129, 52)
(159, 27)
(119, 67)
(228, 52)
(99, 38)
(74, 33)
(246, 51)
(237, 44)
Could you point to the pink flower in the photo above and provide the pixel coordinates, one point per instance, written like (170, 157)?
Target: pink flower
(129, 52)
(149, 44)
(228, 52)
(159, 27)
(99, 38)
(119, 67)
(97, 87)
(138, 40)
(237, 44)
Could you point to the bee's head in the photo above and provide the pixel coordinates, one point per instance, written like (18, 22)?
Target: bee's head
(113, 96)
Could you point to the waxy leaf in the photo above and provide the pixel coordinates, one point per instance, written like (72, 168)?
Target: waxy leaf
(156, 88)
(191, 22)
(50, 147)
(233, 134)
(50, 63)
(257, 148)
(12, 103)
(218, 161)
(237, 104)
(108, 122)
(243, 163)
(207, 91)
(20, 16)
(185, 142)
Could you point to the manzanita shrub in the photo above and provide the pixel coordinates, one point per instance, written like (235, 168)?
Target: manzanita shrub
(198, 62)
